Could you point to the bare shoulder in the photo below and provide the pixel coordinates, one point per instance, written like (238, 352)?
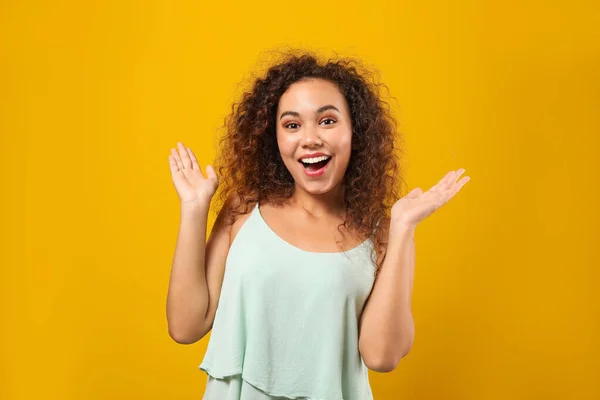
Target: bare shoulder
(242, 210)
(234, 205)
(217, 249)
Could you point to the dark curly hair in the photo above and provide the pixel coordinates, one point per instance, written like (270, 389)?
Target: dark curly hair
(250, 165)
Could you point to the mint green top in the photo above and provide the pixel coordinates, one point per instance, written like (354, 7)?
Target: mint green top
(287, 319)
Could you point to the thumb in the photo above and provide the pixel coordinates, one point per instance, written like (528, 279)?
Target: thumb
(211, 174)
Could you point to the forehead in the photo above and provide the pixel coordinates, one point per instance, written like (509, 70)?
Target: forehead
(310, 94)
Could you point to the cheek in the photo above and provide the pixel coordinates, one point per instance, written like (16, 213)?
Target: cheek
(284, 144)
(287, 149)
(345, 144)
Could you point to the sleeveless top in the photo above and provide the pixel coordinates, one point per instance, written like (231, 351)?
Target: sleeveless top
(287, 318)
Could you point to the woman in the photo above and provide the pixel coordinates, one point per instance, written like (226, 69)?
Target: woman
(306, 277)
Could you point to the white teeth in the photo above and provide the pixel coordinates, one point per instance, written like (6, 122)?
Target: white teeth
(315, 159)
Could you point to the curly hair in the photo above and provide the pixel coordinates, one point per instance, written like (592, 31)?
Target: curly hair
(250, 165)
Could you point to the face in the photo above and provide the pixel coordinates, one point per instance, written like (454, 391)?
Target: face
(313, 117)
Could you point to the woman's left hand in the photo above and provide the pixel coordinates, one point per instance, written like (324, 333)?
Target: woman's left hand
(417, 205)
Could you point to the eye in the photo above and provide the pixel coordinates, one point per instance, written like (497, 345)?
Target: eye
(291, 125)
(329, 121)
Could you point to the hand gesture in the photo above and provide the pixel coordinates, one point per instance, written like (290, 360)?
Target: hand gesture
(192, 187)
(416, 205)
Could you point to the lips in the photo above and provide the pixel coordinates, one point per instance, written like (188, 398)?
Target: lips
(312, 155)
(316, 169)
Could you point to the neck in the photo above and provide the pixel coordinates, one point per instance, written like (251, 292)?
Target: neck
(318, 205)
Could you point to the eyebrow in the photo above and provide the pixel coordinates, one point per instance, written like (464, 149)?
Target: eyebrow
(320, 110)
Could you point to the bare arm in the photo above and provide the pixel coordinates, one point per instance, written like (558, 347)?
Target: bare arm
(387, 324)
(198, 265)
(197, 274)
(387, 327)
(188, 296)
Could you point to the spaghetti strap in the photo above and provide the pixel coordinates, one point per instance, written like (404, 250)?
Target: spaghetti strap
(268, 328)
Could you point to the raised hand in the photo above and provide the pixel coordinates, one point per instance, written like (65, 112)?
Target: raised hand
(192, 187)
(417, 205)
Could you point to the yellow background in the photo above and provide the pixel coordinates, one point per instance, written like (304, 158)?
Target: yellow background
(93, 94)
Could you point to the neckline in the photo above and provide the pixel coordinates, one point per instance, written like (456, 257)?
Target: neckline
(280, 239)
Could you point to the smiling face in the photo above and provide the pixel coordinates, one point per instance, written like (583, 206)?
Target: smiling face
(313, 117)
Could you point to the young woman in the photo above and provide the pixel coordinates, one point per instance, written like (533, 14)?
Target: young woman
(306, 278)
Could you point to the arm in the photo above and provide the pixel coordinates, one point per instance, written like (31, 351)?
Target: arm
(187, 296)
(196, 274)
(198, 266)
(387, 326)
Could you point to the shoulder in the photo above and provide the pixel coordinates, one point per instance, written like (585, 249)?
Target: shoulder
(238, 209)
(236, 206)
(229, 214)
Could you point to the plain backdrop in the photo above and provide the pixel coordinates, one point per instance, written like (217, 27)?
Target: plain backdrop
(93, 94)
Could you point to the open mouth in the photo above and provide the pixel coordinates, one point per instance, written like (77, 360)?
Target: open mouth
(312, 167)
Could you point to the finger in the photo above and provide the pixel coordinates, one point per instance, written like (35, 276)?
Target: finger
(442, 191)
(447, 177)
(442, 182)
(177, 159)
(436, 187)
(462, 182)
(458, 185)
(193, 159)
(457, 175)
(451, 179)
(185, 158)
(173, 164)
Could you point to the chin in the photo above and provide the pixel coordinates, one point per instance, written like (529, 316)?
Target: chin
(317, 191)
(318, 188)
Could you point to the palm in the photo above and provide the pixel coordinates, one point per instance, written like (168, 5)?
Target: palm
(417, 205)
(187, 176)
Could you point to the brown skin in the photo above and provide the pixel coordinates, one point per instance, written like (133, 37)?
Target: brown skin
(328, 131)
(255, 163)
(304, 126)
(387, 326)
(260, 160)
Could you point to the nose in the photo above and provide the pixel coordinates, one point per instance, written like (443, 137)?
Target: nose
(311, 137)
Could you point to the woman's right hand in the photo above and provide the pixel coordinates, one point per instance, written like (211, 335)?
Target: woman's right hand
(192, 187)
